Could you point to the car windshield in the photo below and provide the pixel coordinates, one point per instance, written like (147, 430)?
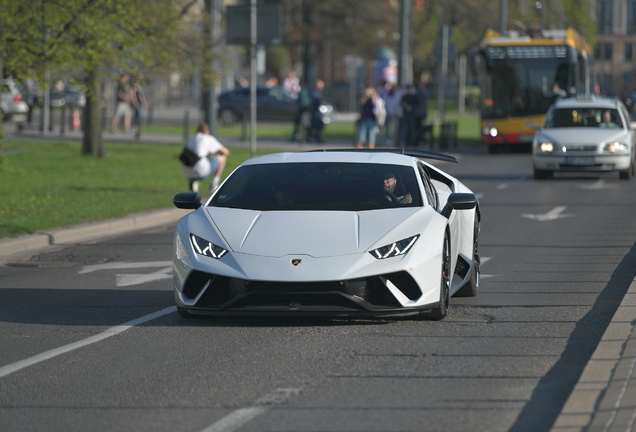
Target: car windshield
(319, 186)
(583, 117)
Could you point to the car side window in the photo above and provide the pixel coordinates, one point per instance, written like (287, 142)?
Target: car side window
(431, 193)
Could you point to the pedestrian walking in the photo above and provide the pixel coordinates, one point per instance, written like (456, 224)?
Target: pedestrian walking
(122, 107)
(139, 103)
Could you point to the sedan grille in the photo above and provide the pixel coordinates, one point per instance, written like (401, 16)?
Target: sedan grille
(582, 148)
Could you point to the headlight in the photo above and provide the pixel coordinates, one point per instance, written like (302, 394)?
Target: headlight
(546, 147)
(394, 249)
(205, 248)
(490, 131)
(615, 147)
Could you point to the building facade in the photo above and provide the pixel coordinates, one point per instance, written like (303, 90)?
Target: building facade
(615, 52)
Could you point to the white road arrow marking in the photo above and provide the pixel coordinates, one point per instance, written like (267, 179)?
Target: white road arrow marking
(124, 265)
(597, 185)
(554, 214)
(482, 261)
(501, 186)
(137, 279)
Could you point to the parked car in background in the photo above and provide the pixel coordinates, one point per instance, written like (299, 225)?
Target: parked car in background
(12, 107)
(585, 134)
(71, 96)
(272, 104)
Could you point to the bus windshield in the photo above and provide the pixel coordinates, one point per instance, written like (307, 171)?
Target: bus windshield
(525, 83)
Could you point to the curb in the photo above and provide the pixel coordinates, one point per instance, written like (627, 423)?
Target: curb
(605, 394)
(90, 231)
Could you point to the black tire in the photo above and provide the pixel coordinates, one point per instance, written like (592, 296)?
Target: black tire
(471, 289)
(441, 311)
(228, 117)
(628, 173)
(542, 174)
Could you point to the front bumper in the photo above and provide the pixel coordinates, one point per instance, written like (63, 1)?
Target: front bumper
(582, 163)
(205, 293)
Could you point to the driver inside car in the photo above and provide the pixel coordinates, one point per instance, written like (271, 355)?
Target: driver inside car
(388, 182)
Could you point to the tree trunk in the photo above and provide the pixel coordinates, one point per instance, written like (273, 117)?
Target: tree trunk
(92, 144)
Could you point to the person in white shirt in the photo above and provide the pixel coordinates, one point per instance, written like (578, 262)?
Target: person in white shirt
(292, 83)
(203, 144)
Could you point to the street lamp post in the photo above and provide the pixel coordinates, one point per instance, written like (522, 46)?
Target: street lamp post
(503, 17)
(405, 30)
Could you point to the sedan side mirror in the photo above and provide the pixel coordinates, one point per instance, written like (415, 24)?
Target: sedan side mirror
(459, 201)
(187, 200)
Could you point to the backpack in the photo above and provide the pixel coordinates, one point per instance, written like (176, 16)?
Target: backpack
(188, 157)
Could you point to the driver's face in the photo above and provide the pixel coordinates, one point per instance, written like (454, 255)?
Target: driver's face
(389, 184)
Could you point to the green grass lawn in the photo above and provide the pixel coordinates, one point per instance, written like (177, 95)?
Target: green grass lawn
(283, 131)
(47, 185)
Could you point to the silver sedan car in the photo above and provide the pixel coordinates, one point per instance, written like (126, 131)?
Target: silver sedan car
(585, 134)
(12, 107)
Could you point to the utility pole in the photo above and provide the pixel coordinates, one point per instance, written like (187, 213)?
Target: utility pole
(443, 66)
(212, 31)
(253, 77)
(503, 17)
(443, 71)
(405, 40)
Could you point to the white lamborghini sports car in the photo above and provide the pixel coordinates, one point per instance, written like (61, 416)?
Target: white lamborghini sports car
(329, 233)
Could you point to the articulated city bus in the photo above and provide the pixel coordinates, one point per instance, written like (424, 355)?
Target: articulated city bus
(521, 76)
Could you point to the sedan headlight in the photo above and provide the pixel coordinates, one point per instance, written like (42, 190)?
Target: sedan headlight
(546, 147)
(394, 249)
(206, 248)
(615, 147)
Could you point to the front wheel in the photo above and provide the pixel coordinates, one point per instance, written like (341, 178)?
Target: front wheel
(628, 173)
(441, 311)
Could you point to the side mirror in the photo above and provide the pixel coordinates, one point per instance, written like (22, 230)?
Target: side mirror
(187, 200)
(459, 201)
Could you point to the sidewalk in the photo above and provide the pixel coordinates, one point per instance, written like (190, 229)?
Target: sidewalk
(604, 399)
(173, 116)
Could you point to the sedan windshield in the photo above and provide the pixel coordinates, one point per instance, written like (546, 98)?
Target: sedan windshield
(319, 186)
(584, 117)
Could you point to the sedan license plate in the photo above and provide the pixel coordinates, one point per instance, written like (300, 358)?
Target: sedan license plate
(579, 160)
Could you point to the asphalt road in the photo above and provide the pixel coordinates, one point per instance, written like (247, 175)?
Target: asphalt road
(558, 257)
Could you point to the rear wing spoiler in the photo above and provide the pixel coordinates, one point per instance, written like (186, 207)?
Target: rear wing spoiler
(407, 152)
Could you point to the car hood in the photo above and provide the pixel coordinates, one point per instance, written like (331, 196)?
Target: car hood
(314, 233)
(586, 135)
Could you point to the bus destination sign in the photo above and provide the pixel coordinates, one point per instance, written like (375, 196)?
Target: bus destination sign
(527, 52)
